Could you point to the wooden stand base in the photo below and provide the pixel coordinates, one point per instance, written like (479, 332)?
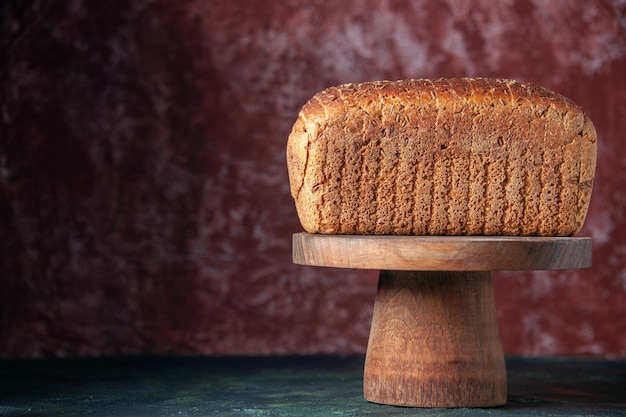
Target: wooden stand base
(434, 341)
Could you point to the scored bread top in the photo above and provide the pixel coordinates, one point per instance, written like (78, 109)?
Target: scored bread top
(466, 156)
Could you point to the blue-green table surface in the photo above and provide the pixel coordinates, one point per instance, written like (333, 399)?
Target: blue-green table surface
(282, 386)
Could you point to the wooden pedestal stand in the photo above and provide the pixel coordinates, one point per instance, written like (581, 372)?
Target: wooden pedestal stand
(434, 340)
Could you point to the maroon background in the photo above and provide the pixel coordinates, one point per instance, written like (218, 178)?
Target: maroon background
(144, 202)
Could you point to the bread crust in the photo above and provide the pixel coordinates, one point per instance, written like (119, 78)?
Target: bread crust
(466, 156)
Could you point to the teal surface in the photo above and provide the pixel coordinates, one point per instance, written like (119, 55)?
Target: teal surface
(281, 386)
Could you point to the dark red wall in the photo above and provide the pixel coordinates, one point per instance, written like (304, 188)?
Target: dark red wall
(144, 202)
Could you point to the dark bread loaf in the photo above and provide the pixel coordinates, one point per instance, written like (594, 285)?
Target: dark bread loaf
(442, 157)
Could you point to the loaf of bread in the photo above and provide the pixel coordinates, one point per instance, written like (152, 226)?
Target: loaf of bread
(442, 157)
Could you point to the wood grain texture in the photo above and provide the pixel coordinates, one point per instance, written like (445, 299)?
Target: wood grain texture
(434, 341)
(442, 253)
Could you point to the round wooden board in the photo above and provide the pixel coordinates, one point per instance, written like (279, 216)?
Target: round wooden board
(442, 253)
